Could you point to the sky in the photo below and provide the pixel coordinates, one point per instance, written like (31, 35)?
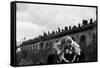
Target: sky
(34, 19)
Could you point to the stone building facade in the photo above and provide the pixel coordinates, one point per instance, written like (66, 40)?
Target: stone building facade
(85, 35)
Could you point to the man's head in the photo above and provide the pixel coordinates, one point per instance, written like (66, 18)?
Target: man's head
(57, 46)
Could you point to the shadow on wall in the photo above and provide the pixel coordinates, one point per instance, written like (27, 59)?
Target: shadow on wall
(90, 51)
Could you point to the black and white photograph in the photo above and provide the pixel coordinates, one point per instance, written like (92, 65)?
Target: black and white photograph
(48, 34)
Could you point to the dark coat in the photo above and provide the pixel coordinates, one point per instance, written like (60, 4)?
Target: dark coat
(53, 59)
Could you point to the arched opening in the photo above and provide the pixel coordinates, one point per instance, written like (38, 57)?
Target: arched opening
(41, 45)
(83, 42)
(36, 47)
(94, 39)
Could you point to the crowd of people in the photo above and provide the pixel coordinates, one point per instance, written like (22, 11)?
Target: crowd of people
(66, 51)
